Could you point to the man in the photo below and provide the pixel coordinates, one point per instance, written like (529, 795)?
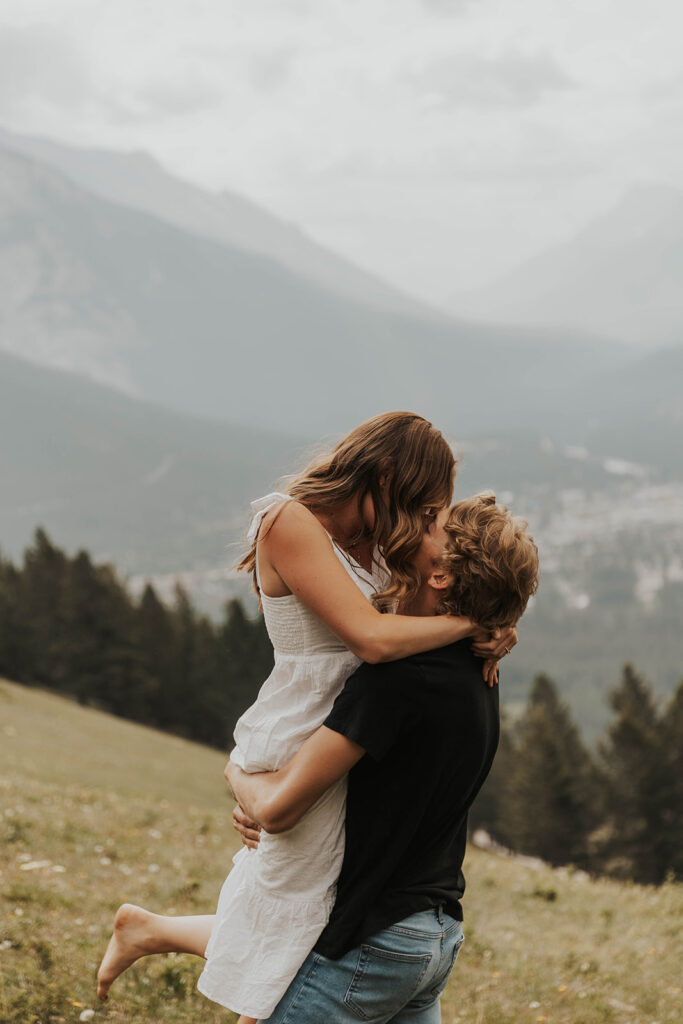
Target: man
(418, 737)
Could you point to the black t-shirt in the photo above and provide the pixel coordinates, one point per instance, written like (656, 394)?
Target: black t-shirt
(429, 725)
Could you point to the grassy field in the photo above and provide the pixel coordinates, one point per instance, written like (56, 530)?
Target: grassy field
(95, 810)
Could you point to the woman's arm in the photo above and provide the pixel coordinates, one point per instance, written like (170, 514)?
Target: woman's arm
(300, 552)
(277, 800)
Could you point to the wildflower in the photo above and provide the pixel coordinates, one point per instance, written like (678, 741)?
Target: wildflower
(87, 1015)
(534, 1005)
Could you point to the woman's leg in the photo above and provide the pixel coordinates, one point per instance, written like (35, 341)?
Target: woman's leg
(137, 932)
(247, 1020)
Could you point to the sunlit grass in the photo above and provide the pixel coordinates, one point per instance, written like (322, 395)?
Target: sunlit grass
(97, 810)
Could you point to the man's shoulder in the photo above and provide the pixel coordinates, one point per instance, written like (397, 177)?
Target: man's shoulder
(436, 665)
(453, 656)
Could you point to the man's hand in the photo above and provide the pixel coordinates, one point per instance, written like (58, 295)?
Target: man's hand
(250, 831)
(277, 800)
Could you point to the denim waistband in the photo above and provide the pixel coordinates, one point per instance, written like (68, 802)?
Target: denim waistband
(428, 923)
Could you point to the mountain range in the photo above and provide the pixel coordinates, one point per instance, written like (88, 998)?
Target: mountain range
(212, 330)
(137, 180)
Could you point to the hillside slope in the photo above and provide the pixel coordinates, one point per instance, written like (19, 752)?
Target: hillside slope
(131, 481)
(97, 810)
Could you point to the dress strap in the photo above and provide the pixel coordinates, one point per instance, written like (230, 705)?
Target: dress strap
(259, 509)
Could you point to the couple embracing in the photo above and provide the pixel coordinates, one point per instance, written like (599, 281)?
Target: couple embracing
(355, 768)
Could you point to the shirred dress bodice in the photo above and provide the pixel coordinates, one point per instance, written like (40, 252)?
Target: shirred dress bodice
(295, 632)
(311, 666)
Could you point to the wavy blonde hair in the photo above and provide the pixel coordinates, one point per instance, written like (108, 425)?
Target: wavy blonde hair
(493, 561)
(419, 468)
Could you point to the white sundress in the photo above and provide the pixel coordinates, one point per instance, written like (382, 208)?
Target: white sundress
(277, 899)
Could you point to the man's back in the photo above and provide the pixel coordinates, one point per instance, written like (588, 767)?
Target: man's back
(430, 728)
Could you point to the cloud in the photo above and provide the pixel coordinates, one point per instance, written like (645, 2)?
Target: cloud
(271, 69)
(185, 91)
(511, 80)
(446, 7)
(40, 62)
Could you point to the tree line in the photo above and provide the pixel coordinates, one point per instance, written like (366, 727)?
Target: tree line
(617, 810)
(71, 626)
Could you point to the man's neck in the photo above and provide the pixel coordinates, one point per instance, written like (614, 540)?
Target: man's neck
(424, 603)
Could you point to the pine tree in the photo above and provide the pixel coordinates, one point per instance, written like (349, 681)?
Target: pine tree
(39, 611)
(16, 639)
(246, 655)
(637, 758)
(672, 749)
(551, 789)
(154, 638)
(488, 810)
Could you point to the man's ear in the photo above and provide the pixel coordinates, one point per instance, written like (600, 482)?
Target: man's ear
(439, 579)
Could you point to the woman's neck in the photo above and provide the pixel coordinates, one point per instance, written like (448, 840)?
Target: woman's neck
(347, 528)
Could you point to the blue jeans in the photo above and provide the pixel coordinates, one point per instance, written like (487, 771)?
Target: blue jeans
(395, 977)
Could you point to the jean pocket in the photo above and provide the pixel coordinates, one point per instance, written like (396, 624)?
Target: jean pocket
(384, 981)
(441, 981)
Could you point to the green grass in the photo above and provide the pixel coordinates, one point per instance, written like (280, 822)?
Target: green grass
(120, 812)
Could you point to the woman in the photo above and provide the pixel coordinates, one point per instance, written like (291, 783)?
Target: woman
(348, 530)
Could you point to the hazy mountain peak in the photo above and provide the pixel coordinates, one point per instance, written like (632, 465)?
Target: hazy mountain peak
(138, 180)
(620, 276)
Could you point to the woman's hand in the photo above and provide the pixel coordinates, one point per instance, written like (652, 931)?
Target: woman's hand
(494, 645)
(250, 831)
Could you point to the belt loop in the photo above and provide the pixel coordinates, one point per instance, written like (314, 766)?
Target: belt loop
(439, 913)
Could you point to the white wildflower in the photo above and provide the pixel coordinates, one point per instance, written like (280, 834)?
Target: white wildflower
(534, 1005)
(35, 865)
(87, 1015)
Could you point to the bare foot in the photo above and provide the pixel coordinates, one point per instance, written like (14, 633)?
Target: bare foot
(132, 938)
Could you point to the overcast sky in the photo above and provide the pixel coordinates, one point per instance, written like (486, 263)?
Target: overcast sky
(437, 142)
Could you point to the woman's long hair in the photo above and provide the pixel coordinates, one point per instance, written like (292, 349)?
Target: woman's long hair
(418, 467)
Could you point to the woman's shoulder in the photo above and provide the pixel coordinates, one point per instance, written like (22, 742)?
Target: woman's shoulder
(288, 516)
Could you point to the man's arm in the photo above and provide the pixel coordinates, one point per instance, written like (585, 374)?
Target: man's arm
(277, 800)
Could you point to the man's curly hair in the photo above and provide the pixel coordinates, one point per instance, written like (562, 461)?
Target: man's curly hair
(493, 562)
